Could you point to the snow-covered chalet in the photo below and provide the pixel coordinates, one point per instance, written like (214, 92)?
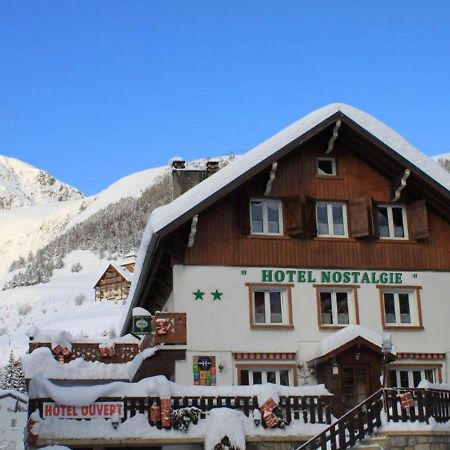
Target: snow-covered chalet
(322, 256)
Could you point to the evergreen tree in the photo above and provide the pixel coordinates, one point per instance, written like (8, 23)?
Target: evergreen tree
(13, 377)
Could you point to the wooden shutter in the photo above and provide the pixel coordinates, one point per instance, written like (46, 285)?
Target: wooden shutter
(374, 216)
(293, 216)
(310, 216)
(418, 219)
(359, 218)
(244, 217)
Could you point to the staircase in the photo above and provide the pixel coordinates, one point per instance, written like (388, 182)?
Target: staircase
(355, 429)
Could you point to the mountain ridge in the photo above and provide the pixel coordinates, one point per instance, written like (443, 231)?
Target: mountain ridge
(22, 184)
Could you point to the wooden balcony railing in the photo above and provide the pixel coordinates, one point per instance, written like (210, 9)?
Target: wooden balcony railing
(93, 351)
(362, 420)
(308, 409)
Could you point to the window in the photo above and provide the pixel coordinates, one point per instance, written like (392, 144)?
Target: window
(266, 217)
(270, 305)
(269, 374)
(391, 222)
(336, 307)
(331, 219)
(410, 377)
(326, 166)
(401, 307)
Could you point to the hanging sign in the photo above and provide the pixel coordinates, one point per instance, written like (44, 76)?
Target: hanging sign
(104, 410)
(406, 400)
(141, 324)
(204, 368)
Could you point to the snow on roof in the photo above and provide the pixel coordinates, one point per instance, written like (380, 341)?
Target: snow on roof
(123, 271)
(347, 334)
(164, 215)
(159, 386)
(55, 337)
(14, 394)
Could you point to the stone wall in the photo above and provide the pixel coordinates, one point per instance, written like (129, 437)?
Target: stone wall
(429, 441)
(286, 445)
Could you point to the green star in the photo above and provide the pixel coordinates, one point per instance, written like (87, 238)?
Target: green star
(217, 295)
(198, 294)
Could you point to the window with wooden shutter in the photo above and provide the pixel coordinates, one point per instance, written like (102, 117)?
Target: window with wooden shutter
(245, 215)
(310, 216)
(418, 219)
(359, 219)
(293, 216)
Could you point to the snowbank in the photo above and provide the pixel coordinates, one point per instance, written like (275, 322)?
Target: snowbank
(223, 422)
(424, 384)
(159, 386)
(41, 361)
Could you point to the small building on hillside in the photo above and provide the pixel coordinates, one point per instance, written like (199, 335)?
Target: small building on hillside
(13, 417)
(115, 282)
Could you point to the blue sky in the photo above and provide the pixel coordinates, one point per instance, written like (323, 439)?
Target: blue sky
(94, 90)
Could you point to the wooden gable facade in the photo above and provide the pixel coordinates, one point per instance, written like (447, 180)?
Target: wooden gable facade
(114, 284)
(363, 179)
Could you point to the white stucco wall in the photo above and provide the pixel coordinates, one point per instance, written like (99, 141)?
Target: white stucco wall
(222, 327)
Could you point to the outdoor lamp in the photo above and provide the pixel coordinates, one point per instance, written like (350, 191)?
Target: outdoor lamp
(115, 420)
(386, 346)
(256, 416)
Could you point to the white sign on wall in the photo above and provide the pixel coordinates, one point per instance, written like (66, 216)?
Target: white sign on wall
(103, 410)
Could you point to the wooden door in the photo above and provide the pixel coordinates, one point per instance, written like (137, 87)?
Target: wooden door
(355, 385)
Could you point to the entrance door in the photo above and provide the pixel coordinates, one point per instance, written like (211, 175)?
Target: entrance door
(355, 385)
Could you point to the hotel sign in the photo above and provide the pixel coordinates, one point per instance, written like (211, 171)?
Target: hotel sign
(330, 276)
(104, 410)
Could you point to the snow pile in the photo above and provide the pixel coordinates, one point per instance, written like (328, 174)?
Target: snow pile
(225, 422)
(347, 334)
(55, 337)
(55, 447)
(424, 384)
(41, 361)
(159, 386)
(134, 365)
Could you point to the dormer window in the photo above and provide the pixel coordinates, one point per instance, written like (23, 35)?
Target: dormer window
(326, 167)
(266, 216)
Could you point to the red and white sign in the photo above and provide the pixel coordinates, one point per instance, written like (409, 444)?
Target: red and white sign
(104, 410)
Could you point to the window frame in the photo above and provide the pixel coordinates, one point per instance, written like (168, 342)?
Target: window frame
(353, 306)
(286, 299)
(333, 166)
(265, 220)
(415, 307)
(329, 205)
(390, 207)
(411, 367)
(266, 367)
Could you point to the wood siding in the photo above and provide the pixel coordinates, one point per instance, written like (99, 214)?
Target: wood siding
(220, 239)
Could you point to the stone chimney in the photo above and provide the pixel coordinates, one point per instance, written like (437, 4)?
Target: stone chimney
(184, 179)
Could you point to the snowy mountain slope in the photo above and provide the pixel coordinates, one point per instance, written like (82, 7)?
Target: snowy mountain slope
(129, 186)
(24, 230)
(100, 217)
(53, 306)
(24, 185)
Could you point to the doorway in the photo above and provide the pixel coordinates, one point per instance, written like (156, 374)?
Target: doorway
(355, 385)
